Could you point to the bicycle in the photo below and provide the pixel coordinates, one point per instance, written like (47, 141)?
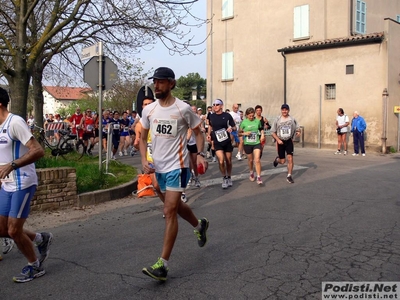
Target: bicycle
(65, 145)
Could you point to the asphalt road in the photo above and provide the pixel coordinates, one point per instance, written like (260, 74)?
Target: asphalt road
(339, 221)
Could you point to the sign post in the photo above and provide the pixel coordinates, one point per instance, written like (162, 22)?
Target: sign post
(107, 76)
(397, 111)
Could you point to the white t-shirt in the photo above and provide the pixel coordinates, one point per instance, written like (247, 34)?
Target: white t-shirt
(341, 121)
(236, 117)
(14, 134)
(168, 127)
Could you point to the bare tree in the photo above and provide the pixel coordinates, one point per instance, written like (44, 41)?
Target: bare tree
(33, 33)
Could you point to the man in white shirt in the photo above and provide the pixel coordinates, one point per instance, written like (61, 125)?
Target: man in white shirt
(237, 118)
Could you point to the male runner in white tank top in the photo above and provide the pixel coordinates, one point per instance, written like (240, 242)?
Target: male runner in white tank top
(19, 150)
(168, 119)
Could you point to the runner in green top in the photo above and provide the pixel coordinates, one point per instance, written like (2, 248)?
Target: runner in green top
(253, 134)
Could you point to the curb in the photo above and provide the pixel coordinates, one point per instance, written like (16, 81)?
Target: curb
(100, 196)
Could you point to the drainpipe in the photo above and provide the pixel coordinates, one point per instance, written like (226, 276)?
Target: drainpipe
(284, 77)
(351, 17)
(385, 95)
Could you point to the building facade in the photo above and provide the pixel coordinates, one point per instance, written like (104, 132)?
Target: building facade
(316, 56)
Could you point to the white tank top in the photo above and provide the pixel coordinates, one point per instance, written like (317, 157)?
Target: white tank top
(14, 134)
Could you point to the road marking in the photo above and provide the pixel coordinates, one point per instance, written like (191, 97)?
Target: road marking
(215, 181)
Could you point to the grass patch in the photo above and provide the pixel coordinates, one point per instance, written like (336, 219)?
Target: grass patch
(88, 176)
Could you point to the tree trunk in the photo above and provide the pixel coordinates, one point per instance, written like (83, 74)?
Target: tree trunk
(37, 91)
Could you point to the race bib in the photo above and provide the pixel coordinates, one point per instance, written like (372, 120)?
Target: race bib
(286, 132)
(165, 128)
(221, 135)
(116, 126)
(252, 138)
(126, 129)
(10, 177)
(89, 128)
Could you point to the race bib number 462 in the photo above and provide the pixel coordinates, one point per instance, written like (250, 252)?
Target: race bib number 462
(9, 177)
(165, 128)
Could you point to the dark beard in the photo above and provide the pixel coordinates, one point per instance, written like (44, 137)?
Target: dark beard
(161, 95)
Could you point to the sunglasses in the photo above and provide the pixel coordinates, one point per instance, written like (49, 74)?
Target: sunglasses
(216, 104)
(88, 111)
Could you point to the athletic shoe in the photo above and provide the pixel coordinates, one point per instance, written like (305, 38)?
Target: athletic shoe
(251, 177)
(238, 156)
(289, 179)
(157, 271)
(90, 152)
(224, 183)
(190, 181)
(133, 152)
(345, 152)
(214, 159)
(8, 244)
(230, 182)
(355, 154)
(363, 154)
(184, 199)
(338, 152)
(208, 154)
(202, 233)
(275, 163)
(113, 157)
(120, 153)
(125, 152)
(44, 247)
(244, 156)
(29, 273)
(197, 182)
(259, 181)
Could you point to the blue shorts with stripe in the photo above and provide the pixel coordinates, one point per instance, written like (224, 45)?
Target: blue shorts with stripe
(16, 204)
(175, 180)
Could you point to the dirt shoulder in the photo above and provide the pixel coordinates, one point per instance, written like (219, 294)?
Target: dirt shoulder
(48, 219)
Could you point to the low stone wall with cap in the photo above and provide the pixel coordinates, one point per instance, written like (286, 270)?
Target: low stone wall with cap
(57, 189)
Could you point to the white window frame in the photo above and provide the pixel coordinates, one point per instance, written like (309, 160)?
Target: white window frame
(398, 18)
(227, 66)
(301, 22)
(361, 17)
(227, 9)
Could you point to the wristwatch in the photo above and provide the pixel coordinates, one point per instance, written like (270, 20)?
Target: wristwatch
(14, 165)
(201, 154)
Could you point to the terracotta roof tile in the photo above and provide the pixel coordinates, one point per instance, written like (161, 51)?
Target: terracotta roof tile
(336, 42)
(67, 93)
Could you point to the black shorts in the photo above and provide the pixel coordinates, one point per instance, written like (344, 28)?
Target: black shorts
(88, 135)
(192, 148)
(115, 140)
(248, 149)
(287, 147)
(226, 146)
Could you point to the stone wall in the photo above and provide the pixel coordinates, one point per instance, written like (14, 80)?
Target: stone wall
(57, 189)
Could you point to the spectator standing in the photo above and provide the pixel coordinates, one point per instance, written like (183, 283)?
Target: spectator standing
(358, 127)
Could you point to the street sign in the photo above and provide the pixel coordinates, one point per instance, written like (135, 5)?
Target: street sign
(397, 109)
(90, 51)
(91, 73)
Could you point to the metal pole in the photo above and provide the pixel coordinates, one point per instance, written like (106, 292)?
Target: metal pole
(320, 117)
(398, 134)
(385, 94)
(100, 88)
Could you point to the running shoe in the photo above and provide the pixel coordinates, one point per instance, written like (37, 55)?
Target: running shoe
(157, 271)
(202, 233)
(208, 154)
(214, 159)
(259, 181)
(133, 152)
(289, 179)
(125, 152)
(90, 152)
(190, 183)
(251, 177)
(244, 156)
(29, 273)
(184, 199)
(363, 154)
(229, 182)
(276, 161)
(8, 244)
(120, 153)
(44, 247)
(345, 152)
(355, 154)
(239, 156)
(224, 183)
(197, 182)
(338, 152)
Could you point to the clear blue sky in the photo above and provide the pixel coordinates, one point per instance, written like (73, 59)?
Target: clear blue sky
(159, 56)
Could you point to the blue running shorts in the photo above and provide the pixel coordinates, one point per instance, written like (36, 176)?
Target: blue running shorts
(16, 204)
(175, 180)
